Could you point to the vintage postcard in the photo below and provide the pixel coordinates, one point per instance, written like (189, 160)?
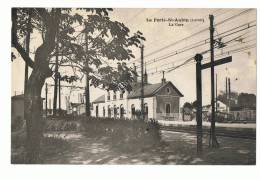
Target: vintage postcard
(133, 86)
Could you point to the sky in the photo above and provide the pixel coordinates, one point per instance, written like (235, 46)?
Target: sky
(159, 34)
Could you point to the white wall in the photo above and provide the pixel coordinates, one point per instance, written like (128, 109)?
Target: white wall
(150, 101)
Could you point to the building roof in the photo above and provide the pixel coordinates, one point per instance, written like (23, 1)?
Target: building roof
(20, 96)
(100, 99)
(151, 90)
(240, 108)
(75, 104)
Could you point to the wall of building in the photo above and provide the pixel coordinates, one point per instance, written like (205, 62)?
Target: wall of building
(156, 104)
(149, 102)
(244, 115)
(17, 109)
(162, 101)
(126, 104)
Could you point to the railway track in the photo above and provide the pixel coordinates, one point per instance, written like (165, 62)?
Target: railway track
(224, 132)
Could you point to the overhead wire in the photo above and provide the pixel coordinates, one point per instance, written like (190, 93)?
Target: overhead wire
(194, 34)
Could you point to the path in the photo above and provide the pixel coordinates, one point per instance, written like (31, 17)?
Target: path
(176, 148)
(205, 123)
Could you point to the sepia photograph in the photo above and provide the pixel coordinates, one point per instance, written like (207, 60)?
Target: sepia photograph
(133, 86)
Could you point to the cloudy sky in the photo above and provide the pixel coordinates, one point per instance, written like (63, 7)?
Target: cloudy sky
(161, 52)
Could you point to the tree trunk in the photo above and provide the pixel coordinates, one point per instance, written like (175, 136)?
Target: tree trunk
(87, 96)
(41, 71)
(33, 114)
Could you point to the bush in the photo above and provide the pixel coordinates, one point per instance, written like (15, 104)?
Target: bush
(50, 146)
(59, 125)
(17, 123)
(126, 135)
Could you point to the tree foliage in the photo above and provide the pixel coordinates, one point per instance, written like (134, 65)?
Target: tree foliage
(247, 100)
(108, 40)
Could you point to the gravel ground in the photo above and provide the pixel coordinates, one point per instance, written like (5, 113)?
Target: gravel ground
(193, 122)
(175, 148)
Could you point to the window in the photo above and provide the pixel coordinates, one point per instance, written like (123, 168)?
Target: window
(108, 111)
(133, 111)
(122, 111)
(146, 110)
(168, 90)
(104, 111)
(114, 97)
(168, 108)
(121, 94)
(115, 111)
(96, 111)
(108, 95)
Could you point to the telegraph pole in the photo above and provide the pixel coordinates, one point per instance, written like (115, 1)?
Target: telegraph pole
(229, 93)
(142, 82)
(226, 94)
(56, 77)
(216, 93)
(199, 67)
(198, 59)
(46, 99)
(213, 139)
(87, 107)
(59, 95)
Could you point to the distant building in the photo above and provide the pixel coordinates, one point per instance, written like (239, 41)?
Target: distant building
(161, 101)
(221, 107)
(76, 108)
(17, 107)
(243, 113)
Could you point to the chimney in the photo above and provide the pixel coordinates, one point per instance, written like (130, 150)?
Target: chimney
(163, 79)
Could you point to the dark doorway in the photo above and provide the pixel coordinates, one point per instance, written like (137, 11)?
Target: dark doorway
(122, 111)
(146, 111)
(96, 111)
(108, 111)
(168, 109)
(133, 111)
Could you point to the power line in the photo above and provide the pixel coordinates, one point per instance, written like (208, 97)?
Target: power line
(194, 34)
(203, 42)
(189, 59)
(213, 12)
(189, 62)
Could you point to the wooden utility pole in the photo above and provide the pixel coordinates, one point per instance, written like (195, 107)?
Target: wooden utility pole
(87, 98)
(213, 139)
(198, 59)
(46, 99)
(216, 93)
(59, 95)
(56, 76)
(199, 67)
(229, 93)
(226, 95)
(142, 83)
